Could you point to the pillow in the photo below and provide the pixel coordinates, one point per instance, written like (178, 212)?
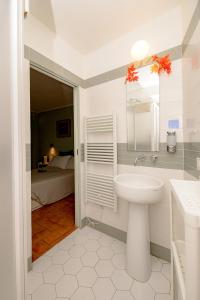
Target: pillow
(60, 162)
(70, 164)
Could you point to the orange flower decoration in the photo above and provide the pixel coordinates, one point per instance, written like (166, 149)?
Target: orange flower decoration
(132, 74)
(161, 64)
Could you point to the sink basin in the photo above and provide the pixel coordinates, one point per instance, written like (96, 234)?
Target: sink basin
(140, 191)
(136, 188)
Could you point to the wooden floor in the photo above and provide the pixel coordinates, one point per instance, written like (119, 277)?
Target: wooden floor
(51, 224)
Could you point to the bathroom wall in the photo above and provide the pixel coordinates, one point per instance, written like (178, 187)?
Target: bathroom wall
(191, 100)
(110, 97)
(117, 53)
(40, 38)
(105, 93)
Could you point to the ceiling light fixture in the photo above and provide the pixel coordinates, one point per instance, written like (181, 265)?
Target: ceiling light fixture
(140, 50)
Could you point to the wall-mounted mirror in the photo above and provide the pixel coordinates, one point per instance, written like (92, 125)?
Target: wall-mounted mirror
(143, 112)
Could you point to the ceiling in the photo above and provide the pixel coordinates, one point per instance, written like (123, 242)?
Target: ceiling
(48, 93)
(89, 24)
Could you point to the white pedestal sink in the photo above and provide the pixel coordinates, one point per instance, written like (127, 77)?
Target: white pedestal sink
(139, 191)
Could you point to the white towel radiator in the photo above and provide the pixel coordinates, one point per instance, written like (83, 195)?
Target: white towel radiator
(100, 154)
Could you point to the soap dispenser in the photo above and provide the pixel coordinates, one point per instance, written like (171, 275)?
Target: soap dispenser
(171, 141)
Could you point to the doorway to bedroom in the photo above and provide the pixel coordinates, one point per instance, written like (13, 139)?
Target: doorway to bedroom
(52, 162)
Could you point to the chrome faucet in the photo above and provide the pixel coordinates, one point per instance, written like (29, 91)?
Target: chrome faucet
(139, 157)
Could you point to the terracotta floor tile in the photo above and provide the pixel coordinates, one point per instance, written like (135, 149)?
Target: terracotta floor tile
(40, 247)
(36, 228)
(51, 224)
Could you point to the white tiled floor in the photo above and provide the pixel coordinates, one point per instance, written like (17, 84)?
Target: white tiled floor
(89, 265)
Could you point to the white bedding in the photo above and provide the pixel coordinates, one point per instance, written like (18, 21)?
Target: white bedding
(51, 186)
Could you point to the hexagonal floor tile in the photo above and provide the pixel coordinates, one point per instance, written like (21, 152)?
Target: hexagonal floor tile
(156, 265)
(105, 252)
(166, 270)
(118, 247)
(45, 292)
(92, 245)
(53, 274)
(86, 277)
(76, 251)
(123, 295)
(83, 293)
(89, 259)
(122, 280)
(119, 261)
(159, 283)
(80, 239)
(163, 297)
(60, 257)
(41, 264)
(106, 240)
(66, 286)
(94, 234)
(72, 266)
(34, 281)
(142, 291)
(104, 268)
(66, 244)
(84, 231)
(103, 286)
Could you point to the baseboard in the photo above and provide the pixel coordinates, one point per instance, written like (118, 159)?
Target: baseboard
(160, 251)
(156, 250)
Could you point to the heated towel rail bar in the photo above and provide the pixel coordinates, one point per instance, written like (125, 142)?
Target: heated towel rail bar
(100, 151)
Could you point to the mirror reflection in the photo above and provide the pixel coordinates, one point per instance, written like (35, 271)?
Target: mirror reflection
(143, 112)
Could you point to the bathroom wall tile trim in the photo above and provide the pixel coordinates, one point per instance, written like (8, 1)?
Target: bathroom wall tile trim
(175, 53)
(192, 26)
(191, 153)
(183, 158)
(42, 63)
(165, 160)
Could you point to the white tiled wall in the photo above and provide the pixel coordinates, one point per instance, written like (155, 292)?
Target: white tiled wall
(171, 100)
(111, 97)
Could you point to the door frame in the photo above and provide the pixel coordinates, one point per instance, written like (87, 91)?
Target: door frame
(76, 105)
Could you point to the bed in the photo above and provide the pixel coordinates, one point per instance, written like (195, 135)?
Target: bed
(50, 186)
